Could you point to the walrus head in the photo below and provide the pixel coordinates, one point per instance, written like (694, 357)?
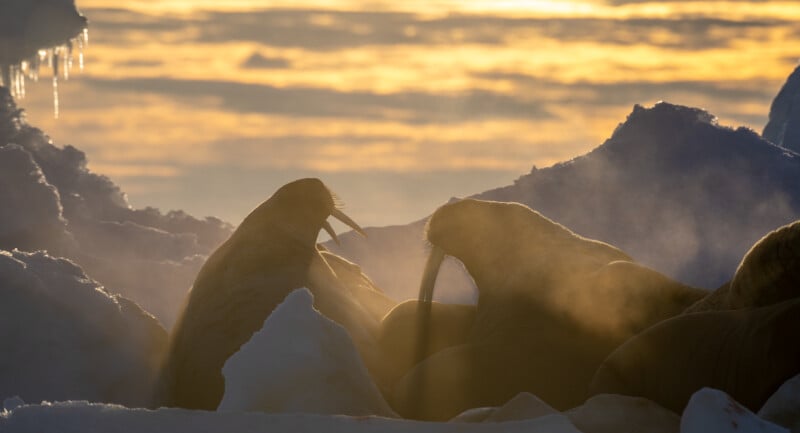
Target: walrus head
(299, 209)
(271, 253)
(505, 246)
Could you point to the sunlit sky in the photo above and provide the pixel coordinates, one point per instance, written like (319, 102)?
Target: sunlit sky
(208, 106)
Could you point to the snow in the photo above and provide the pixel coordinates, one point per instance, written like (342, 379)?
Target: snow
(713, 411)
(63, 337)
(709, 411)
(608, 413)
(12, 403)
(50, 200)
(82, 417)
(31, 213)
(783, 408)
(300, 361)
(783, 127)
(522, 406)
(39, 34)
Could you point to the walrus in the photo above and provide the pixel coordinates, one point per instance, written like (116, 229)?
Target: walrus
(551, 306)
(768, 274)
(450, 325)
(270, 254)
(747, 353)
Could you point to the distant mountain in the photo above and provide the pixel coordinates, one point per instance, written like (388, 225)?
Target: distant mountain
(783, 127)
(671, 187)
(50, 200)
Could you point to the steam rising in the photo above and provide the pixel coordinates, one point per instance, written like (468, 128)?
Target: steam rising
(551, 306)
(677, 192)
(50, 200)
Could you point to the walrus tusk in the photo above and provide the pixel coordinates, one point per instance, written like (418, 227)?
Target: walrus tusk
(339, 215)
(424, 324)
(328, 229)
(431, 272)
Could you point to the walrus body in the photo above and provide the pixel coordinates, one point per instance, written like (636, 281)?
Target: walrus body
(742, 338)
(552, 305)
(746, 353)
(768, 274)
(450, 325)
(269, 255)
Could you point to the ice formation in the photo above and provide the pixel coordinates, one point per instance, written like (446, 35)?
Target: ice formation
(36, 34)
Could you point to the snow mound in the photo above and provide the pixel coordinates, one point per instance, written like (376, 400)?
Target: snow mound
(713, 411)
(50, 200)
(783, 127)
(82, 417)
(39, 34)
(610, 413)
(522, 406)
(31, 213)
(300, 362)
(783, 408)
(64, 337)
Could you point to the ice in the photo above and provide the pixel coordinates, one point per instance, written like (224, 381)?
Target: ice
(301, 361)
(713, 411)
(82, 417)
(59, 59)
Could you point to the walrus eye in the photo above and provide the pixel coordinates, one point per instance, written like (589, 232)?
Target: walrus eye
(339, 215)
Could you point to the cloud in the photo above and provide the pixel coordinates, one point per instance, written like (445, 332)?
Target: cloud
(412, 107)
(258, 61)
(331, 30)
(628, 92)
(623, 2)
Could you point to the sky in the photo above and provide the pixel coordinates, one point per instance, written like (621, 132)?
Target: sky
(209, 106)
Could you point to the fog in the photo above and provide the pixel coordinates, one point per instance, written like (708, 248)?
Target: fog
(542, 276)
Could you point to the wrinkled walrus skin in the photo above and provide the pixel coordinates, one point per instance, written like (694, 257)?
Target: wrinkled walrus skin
(745, 353)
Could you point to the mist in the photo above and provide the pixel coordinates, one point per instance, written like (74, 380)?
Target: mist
(421, 221)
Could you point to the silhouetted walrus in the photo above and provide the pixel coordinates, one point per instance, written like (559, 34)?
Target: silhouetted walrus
(768, 274)
(270, 254)
(746, 353)
(552, 305)
(450, 325)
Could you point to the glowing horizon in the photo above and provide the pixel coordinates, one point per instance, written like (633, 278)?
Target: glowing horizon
(337, 88)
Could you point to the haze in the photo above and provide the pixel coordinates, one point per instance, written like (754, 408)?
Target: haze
(209, 106)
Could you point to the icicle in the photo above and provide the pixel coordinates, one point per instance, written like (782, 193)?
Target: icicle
(17, 81)
(12, 84)
(5, 76)
(55, 96)
(67, 49)
(54, 59)
(59, 59)
(21, 90)
(80, 49)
